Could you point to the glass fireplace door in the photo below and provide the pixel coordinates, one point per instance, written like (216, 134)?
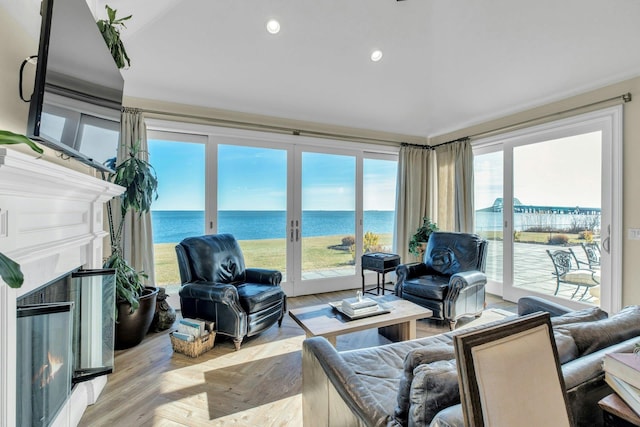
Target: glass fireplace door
(44, 362)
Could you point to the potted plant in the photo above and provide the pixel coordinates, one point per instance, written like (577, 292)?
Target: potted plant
(110, 30)
(418, 241)
(135, 302)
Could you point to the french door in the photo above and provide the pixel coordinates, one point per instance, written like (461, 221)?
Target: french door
(326, 217)
(298, 207)
(552, 187)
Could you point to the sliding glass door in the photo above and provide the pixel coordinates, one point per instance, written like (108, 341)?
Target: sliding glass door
(179, 211)
(326, 211)
(252, 202)
(489, 196)
(559, 209)
(550, 188)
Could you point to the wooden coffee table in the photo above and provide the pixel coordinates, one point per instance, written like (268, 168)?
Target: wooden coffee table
(397, 325)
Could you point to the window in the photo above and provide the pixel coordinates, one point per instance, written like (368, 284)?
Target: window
(549, 187)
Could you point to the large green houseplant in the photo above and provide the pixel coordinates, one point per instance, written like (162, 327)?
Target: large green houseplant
(140, 181)
(418, 241)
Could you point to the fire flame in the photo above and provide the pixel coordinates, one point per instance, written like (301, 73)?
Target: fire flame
(48, 371)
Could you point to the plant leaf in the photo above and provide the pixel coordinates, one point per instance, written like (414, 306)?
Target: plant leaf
(8, 138)
(111, 13)
(10, 272)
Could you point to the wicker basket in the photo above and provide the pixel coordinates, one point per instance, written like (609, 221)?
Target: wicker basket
(193, 348)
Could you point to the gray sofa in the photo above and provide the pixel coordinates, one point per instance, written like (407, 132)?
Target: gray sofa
(415, 382)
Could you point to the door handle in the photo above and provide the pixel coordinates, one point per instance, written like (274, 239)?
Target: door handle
(606, 243)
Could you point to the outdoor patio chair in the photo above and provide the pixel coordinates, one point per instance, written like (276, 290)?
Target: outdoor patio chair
(568, 272)
(592, 251)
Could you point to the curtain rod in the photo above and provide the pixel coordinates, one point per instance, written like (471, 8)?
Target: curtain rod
(271, 128)
(285, 130)
(624, 98)
(432, 147)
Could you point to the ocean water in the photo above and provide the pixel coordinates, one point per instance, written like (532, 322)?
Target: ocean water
(173, 226)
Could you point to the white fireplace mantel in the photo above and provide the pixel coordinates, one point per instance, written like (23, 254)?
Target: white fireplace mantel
(51, 222)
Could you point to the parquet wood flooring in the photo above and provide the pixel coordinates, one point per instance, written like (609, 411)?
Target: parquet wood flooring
(259, 385)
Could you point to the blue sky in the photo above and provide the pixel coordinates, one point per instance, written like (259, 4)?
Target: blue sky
(571, 173)
(255, 179)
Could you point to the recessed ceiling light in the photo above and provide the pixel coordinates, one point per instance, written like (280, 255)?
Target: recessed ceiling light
(376, 55)
(273, 26)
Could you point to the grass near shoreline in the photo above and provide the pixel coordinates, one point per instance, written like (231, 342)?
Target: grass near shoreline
(534, 237)
(267, 253)
(317, 254)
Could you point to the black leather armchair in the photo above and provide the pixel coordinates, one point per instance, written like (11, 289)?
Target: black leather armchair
(450, 281)
(216, 286)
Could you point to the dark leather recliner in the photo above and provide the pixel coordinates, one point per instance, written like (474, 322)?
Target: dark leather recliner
(216, 286)
(450, 281)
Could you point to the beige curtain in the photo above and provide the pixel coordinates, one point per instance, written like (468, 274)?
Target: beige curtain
(437, 183)
(137, 239)
(465, 214)
(416, 196)
(455, 186)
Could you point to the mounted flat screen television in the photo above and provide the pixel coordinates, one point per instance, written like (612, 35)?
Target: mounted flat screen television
(77, 98)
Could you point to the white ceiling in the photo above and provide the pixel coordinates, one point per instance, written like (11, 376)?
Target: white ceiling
(446, 64)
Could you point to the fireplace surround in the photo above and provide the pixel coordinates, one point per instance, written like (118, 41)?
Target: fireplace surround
(51, 223)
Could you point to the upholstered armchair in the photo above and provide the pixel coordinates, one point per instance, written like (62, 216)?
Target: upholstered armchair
(451, 280)
(216, 286)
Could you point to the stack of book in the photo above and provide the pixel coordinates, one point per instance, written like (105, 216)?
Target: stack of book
(358, 306)
(190, 329)
(622, 373)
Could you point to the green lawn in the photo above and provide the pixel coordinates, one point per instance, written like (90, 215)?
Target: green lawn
(533, 237)
(269, 253)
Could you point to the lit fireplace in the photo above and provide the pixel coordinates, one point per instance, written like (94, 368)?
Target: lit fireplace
(48, 371)
(44, 362)
(51, 223)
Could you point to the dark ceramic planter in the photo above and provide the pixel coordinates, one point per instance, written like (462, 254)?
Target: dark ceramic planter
(131, 328)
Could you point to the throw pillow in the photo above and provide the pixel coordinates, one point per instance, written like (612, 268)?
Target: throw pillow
(586, 315)
(433, 352)
(593, 336)
(567, 349)
(434, 387)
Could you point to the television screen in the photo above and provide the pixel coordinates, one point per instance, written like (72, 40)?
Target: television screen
(75, 106)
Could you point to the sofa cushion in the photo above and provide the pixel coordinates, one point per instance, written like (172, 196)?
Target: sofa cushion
(434, 387)
(442, 350)
(567, 348)
(593, 336)
(586, 315)
(430, 287)
(255, 297)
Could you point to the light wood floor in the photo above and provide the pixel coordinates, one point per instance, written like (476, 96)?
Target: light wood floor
(260, 385)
